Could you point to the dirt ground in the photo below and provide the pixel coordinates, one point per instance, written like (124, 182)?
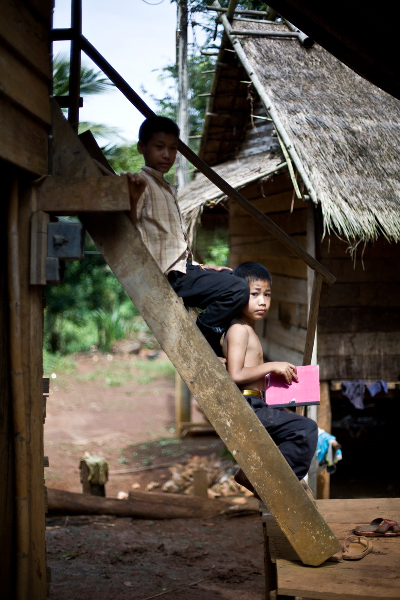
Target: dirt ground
(122, 408)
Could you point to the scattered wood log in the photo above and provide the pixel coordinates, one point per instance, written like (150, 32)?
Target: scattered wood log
(141, 505)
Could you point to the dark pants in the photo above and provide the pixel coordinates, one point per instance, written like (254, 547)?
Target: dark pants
(220, 293)
(295, 436)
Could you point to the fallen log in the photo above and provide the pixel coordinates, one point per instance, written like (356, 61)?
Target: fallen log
(141, 505)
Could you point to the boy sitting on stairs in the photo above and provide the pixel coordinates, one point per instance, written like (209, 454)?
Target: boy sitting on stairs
(296, 436)
(155, 213)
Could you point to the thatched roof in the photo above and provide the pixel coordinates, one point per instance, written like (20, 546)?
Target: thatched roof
(345, 131)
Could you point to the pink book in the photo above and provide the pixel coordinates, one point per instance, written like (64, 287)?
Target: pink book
(306, 391)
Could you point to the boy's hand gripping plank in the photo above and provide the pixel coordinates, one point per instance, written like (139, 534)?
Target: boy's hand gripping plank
(234, 421)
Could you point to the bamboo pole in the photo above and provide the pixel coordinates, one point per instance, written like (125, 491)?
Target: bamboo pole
(311, 326)
(270, 108)
(18, 395)
(265, 34)
(183, 102)
(261, 13)
(75, 65)
(304, 39)
(223, 185)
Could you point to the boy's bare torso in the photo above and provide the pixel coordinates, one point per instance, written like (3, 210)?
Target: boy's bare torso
(253, 354)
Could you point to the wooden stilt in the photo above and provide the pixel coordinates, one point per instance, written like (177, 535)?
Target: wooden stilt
(183, 409)
(311, 325)
(324, 422)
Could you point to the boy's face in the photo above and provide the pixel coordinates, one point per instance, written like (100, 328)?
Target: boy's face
(260, 300)
(160, 151)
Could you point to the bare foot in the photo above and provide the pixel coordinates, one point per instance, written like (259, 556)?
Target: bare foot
(241, 479)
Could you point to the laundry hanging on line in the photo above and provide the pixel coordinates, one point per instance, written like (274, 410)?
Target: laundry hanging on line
(355, 390)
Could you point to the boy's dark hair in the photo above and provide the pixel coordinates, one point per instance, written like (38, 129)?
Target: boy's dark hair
(252, 271)
(156, 125)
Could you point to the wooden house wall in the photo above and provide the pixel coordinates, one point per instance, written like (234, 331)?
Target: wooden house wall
(25, 83)
(24, 133)
(283, 332)
(359, 317)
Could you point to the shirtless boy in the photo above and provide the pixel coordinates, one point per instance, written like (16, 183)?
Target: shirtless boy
(296, 436)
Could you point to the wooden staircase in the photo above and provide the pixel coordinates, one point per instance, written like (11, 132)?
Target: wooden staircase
(222, 402)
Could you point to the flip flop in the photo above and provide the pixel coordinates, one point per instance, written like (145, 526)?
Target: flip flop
(378, 528)
(356, 547)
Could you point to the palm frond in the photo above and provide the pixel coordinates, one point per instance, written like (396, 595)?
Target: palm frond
(92, 82)
(102, 132)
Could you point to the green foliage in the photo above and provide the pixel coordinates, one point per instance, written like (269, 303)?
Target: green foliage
(58, 364)
(212, 246)
(198, 84)
(72, 321)
(125, 158)
(91, 83)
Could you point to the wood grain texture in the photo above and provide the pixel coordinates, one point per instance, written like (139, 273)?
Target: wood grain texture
(361, 294)
(372, 270)
(275, 351)
(22, 85)
(269, 204)
(290, 267)
(23, 141)
(362, 366)
(289, 336)
(288, 313)
(7, 476)
(32, 364)
(357, 319)
(26, 34)
(289, 289)
(312, 319)
(356, 344)
(233, 419)
(246, 243)
(69, 195)
(333, 247)
(292, 223)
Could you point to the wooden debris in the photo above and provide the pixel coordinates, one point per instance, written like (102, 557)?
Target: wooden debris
(141, 505)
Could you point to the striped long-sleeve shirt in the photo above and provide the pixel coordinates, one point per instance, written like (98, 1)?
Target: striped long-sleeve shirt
(160, 224)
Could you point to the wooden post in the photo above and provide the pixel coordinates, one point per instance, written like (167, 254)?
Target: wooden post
(311, 326)
(200, 483)
(19, 399)
(94, 489)
(75, 64)
(183, 100)
(183, 409)
(324, 422)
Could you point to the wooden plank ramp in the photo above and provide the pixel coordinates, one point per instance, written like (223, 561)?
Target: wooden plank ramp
(234, 421)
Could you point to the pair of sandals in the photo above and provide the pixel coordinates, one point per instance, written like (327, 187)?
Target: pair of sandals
(357, 546)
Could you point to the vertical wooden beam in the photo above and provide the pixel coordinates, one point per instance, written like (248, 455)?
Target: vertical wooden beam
(183, 103)
(324, 422)
(183, 412)
(311, 325)
(7, 464)
(75, 64)
(32, 366)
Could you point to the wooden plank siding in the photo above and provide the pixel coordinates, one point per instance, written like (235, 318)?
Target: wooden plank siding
(25, 78)
(283, 332)
(359, 319)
